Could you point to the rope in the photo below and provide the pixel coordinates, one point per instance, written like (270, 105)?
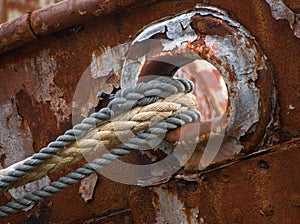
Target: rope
(108, 135)
(125, 99)
(106, 159)
(172, 104)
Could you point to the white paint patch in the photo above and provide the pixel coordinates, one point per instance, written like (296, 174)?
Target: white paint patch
(87, 187)
(280, 11)
(15, 135)
(108, 61)
(16, 144)
(291, 107)
(170, 210)
(43, 67)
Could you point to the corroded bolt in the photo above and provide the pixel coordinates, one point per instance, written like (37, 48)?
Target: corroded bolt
(263, 165)
(225, 178)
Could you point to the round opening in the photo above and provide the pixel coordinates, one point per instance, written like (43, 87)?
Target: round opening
(210, 88)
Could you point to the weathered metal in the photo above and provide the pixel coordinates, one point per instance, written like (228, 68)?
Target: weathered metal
(209, 33)
(38, 81)
(57, 17)
(262, 189)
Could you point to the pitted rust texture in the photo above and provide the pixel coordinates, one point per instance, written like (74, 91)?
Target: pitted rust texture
(248, 192)
(73, 53)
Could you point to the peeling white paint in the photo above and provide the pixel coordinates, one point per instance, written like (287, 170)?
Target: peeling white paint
(169, 209)
(16, 144)
(280, 11)
(87, 187)
(232, 51)
(291, 107)
(103, 74)
(108, 61)
(15, 135)
(43, 67)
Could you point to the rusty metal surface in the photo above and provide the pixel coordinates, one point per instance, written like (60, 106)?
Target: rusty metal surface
(39, 80)
(16, 33)
(264, 189)
(57, 17)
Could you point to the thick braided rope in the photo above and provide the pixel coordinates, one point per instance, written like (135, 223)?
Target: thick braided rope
(134, 143)
(111, 134)
(125, 99)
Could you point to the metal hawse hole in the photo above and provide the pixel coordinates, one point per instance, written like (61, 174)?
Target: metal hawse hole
(210, 88)
(204, 44)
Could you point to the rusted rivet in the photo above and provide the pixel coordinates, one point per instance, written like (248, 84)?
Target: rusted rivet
(225, 178)
(267, 208)
(295, 199)
(263, 165)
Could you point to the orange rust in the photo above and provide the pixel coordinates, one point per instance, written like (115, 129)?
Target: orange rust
(208, 25)
(219, 201)
(57, 17)
(241, 193)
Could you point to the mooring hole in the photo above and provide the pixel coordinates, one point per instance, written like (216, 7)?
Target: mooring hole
(210, 88)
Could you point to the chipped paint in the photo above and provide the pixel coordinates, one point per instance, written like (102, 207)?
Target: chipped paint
(43, 88)
(87, 187)
(244, 177)
(169, 209)
(232, 50)
(108, 61)
(245, 96)
(16, 144)
(291, 107)
(15, 135)
(281, 12)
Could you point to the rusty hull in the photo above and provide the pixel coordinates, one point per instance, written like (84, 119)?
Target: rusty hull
(263, 189)
(38, 80)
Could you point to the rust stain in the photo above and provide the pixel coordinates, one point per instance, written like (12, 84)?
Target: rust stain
(221, 194)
